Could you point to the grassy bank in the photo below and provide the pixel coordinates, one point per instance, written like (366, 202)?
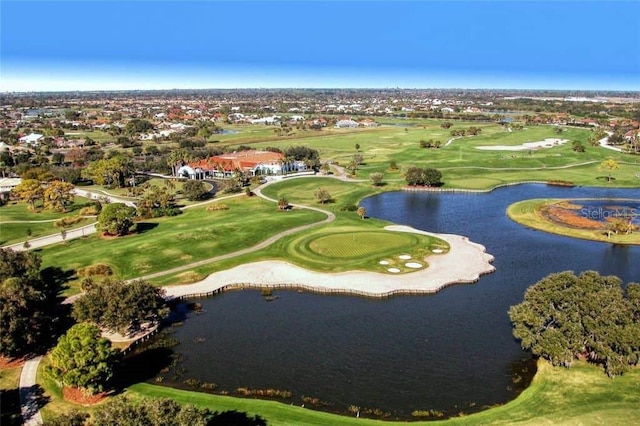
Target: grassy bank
(580, 395)
(528, 213)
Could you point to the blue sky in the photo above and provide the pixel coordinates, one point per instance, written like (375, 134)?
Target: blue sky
(112, 45)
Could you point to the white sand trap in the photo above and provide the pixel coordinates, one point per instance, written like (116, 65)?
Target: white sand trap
(413, 265)
(393, 270)
(383, 262)
(547, 143)
(404, 257)
(437, 251)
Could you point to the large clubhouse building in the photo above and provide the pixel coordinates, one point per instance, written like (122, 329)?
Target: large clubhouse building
(254, 163)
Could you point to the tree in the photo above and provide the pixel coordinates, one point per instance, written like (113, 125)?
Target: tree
(577, 146)
(283, 203)
(30, 191)
(609, 165)
(357, 147)
(423, 176)
(564, 317)
(121, 307)
(82, 359)
(194, 190)
(110, 172)
(58, 196)
(27, 303)
(116, 219)
(322, 195)
(362, 212)
(376, 178)
(445, 125)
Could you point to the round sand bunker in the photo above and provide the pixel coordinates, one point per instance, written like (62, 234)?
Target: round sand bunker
(413, 265)
(404, 256)
(383, 262)
(393, 270)
(437, 250)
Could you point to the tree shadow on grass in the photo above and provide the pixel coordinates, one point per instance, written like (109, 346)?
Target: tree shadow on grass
(606, 178)
(235, 418)
(34, 399)
(10, 407)
(141, 365)
(142, 227)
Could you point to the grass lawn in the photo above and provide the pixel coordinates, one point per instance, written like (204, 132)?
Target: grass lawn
(20, 211)
(528, 213)
(165, 243)
(11, 233)
(582, 394)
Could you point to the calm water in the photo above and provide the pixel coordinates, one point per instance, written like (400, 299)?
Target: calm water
(452, 351)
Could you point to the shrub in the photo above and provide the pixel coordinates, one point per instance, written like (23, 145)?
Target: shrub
(97, 269)
(68, 221)
(216, 207)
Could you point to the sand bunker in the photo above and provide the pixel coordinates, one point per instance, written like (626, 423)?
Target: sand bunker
(404, 257)
(393, 270)
(437, 250)
(547, 143)
(413, 265)
(383, 262)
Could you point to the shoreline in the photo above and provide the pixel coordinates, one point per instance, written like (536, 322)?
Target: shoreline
(465, 263)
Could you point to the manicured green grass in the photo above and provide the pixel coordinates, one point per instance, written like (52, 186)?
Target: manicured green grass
(170, 242)
(527, 213)
(580, 395)
(11, 233)
(20, 211)
(359, 247)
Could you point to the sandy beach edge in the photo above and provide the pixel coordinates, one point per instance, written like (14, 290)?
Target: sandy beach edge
(465, 263)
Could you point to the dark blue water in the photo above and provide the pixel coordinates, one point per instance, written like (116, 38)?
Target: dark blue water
(452, 351)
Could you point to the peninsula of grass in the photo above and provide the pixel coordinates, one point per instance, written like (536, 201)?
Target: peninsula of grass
(530, 213)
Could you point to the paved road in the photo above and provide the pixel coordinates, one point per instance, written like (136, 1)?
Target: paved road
(29, 393)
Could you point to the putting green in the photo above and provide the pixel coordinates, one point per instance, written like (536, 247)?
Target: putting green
(355, 245)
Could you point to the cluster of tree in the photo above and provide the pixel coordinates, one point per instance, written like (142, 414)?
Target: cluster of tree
(119, 306)
(565, 317)
(471, 131)
(302, 153)
(137, 126)
(423, 176)
(28, 298)
(124, 411)
(194, 190)
(112, 172)
(431, 143)
(156, 200)
(55, 195)
(620, 226)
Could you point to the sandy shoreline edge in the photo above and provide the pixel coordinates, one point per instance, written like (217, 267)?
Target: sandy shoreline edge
(465, 262)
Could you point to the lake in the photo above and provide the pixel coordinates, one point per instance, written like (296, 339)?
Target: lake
(451, 352)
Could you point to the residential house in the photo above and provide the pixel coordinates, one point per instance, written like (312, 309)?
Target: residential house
(31, 139)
